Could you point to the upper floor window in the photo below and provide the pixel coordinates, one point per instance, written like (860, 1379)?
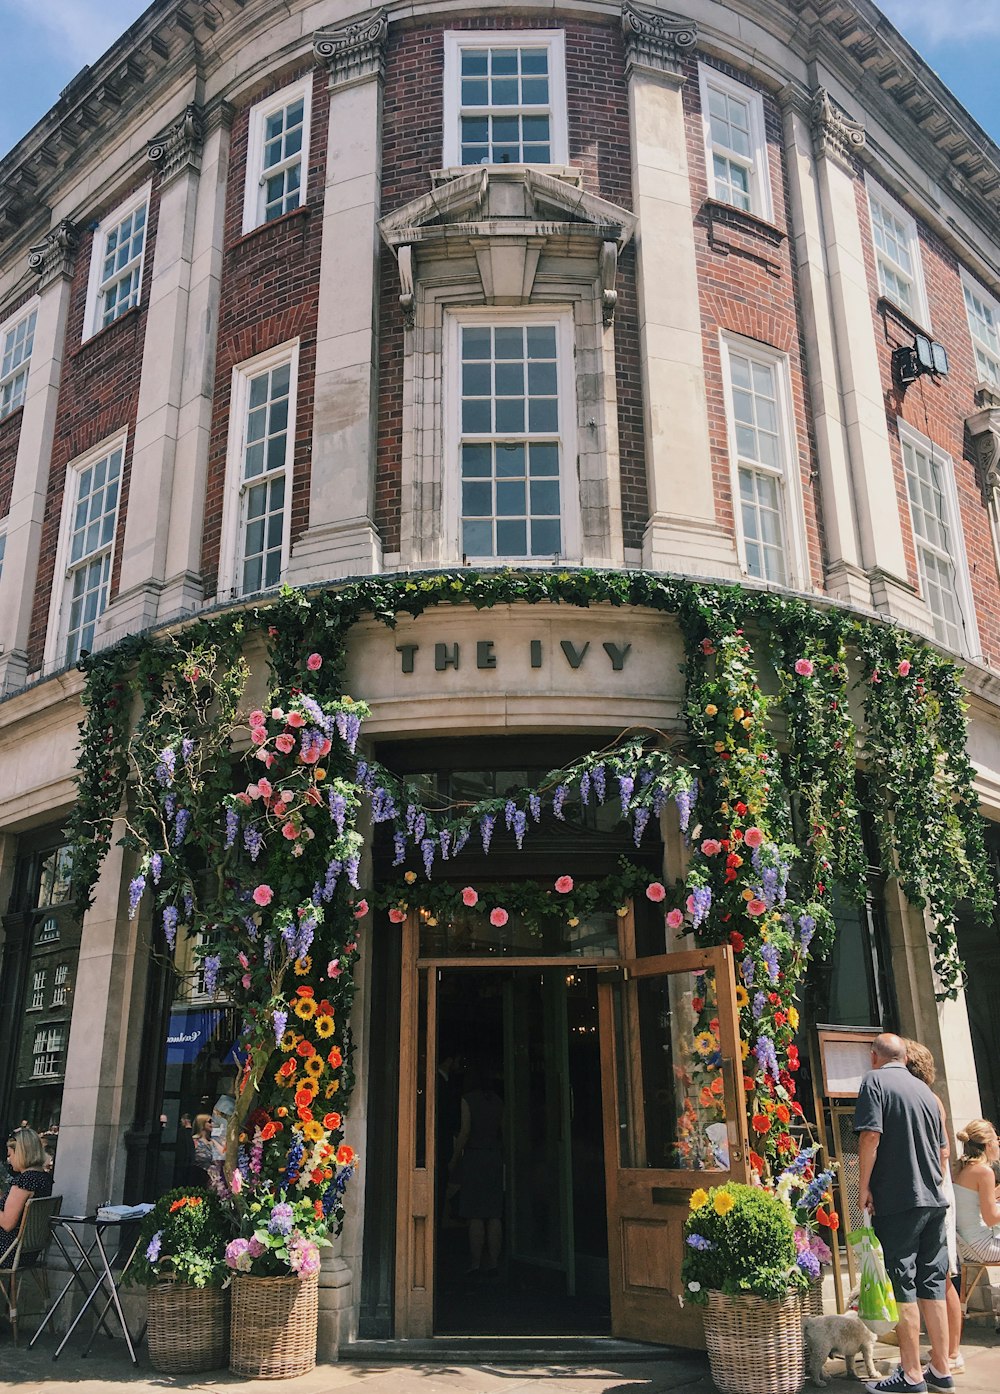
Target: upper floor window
(897, 255)
(513, 407)
(944, 580)
(984, 326)
(257, 513)
(277, 155)
(60, 985)
(116, 263)
(37, 991)
(505, 98)
(47, 1051)
(55, 886)
(16, 340)
(762, 454)
(86, 548)
(735, 144)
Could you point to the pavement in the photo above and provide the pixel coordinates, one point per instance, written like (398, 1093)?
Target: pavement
(28, 1371)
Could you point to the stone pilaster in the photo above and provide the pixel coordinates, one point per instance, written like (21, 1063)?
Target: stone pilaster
(179, 147)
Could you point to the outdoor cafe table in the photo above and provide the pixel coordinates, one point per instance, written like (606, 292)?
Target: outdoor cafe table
(70, 1228)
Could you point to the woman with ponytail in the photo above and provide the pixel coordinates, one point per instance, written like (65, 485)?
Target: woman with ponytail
(977, 1211)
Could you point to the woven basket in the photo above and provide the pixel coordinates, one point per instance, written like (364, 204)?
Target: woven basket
(812, 1303)
(755, 1344)
(187, 1328)
(273, 1326)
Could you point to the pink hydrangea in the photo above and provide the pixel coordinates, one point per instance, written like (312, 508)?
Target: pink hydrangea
(285, 743)
(675, 919)
(263, 895)
(470, 896)
(564, 885)
(656, 892)
(255, 1248)
(499, 917)
(711, 847)
(238, 1255)
(904, 668)
(396, 915)
(303, 1256)
(314, 662)
(804, 667)
(753, 837)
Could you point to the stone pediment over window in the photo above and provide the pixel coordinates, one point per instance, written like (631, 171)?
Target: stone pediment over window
(517, 224)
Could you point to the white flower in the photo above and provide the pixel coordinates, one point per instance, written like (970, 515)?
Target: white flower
(694, 1287)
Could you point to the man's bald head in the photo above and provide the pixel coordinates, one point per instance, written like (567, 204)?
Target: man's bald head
(889, 1049)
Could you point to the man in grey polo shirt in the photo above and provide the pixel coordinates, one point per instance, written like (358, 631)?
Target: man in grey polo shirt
(902, 1145)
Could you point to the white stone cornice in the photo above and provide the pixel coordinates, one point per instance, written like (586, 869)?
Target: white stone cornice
(656, 41)
(55, 255)
(354, 52)
(179, 147)
(833, 132)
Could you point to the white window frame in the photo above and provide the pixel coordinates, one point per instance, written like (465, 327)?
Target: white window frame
(973, 287)
(569, 485)
(60, 985)
(37, 990)
(919, 311)
(253, 193)
(47, 1049)
(761, 201)
(92, 318)
(230, 556)
(908, 435)
(7, 331)
(457, 39)
(797, 574)
(59, 606)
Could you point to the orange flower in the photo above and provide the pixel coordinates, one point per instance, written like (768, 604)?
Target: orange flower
(305, 991)
(834, 1220)
(305, 1115)
(345, 1154)
(305, 1049)
(782, 1114)
(287, 1069)
(761, 1123)
(822, 1218)
(282, 1112)
(316, 1177)
(332, 1121)
(706, 1099)
(303, 1097)
(268, 1131)
(318, 1209)
(757, 1161)
(325, 1009)
(717, 1085)
(335, 1058)
(178, 1204)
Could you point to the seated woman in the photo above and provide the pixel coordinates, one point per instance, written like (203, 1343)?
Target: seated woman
(26, 1159)
(977, 1213)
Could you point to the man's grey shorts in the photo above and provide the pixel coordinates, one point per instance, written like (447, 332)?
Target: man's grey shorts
(915, 1246)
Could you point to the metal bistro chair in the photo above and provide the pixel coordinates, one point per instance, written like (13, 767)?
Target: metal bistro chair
(27, 1253)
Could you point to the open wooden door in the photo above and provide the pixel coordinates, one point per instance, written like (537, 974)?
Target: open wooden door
(417, 1160)
(674, 1119)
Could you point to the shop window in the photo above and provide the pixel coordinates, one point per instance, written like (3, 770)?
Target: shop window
(514, 496)
(944, 582)
(735, 145)
(277, 155)
(505, 98)
(984, 326)
(762, 455)
(16, 341)
(86, 552)
(256, 516)
(897, 255)
(116, 264)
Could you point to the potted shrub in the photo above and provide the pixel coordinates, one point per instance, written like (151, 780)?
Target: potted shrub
(180, 1260)
(740, 1262)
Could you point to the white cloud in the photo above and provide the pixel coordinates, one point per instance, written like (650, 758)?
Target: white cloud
(933, 22)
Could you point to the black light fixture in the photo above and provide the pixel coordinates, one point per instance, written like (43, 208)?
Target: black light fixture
(923, 356)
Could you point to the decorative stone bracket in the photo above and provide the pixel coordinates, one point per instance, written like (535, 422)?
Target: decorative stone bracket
(353, 52)
(179, 147)
(833, 131)
(655, 41)
(53, 258)
(609, 273)
(983, 427)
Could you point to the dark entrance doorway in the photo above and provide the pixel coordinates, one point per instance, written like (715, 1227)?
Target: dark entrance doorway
(532, 1034)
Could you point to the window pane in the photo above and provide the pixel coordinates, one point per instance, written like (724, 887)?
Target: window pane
(512, 538)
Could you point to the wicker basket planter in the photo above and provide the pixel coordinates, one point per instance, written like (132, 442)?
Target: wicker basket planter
(812, 1302)
(273, 1326)
(755, 1344)
(187, 1328)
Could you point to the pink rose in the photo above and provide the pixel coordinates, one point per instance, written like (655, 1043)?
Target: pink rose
(753, 837)
(265, 788)
(258, 735)
(675, 919)
(470, 896)
(396, 915)
(333, 968)
(295, 719)
(310, 756)
(263, 895)
(564, 885)
(290, 832)
(264, 755)
(245, 799)
(285, 743)
(278, 809)
(499, 917)
(656, 892)
(904, 668)
(277, 714)
(314, 662)
(361, 909)
(690, 904)
(325, 746)
(245, 981)
(711, 847)
(756, 907)
(803, 667)
(253, 792)
(256, 718)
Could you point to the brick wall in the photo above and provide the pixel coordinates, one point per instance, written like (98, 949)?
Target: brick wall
(98, 396)
(597, 111)
(269, 294)
(937, 407)
(748, 286)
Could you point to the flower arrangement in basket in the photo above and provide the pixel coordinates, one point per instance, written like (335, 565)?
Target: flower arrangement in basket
(285, 1238)
(808, 1195)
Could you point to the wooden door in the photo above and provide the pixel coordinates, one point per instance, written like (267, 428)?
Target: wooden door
(660, 1048)
(414, 1316)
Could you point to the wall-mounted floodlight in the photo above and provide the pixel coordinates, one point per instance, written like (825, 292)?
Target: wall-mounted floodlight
(923, 356)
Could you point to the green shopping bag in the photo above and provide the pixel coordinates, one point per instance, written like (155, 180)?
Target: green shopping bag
(876, 1301)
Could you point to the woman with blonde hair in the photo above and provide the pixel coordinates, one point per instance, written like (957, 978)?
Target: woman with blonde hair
(920, 1062)
(26, 1160)
(977, 1210)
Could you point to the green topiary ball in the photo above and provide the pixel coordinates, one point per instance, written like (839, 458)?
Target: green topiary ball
(738, 1239)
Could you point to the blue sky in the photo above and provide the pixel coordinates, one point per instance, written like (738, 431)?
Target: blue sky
(46, 42)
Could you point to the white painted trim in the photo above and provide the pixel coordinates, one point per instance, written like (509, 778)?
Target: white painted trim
(91, 324)
(552, 39)
(253, 189)
(798, 574)
(10, 326)
(977, 288)
(920, 312)
(918, 441)
(232, 510)
(761, 201)
(451, 434)
(55, 636)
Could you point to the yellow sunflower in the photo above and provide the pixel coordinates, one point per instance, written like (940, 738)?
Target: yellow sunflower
(744, 1049)
(331, 1089)
(323, 1026)
(704, 1043)
(289, 1040)
(742, 996)
(284, 1083)
(793, 1018)
(313, 1131)
(303, 966)
(305, 1009)
(315, 1066)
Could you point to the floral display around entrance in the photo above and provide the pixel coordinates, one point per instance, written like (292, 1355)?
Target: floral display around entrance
(243, 819)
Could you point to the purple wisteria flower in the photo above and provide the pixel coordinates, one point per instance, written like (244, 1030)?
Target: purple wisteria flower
(462, 836)
(509, 809)
(348, 729)
(338, 809)
(535, 807)
(170, 923)
(156, 867)
(766, 1056)
(558, 799)
(154, 1246)
(187, 900)
(419, 827)
(640, 818)
(279, 1020)
(626, 787)
(268, 948)
(351, 866)
(210, 969)
(399, 849)
(486, 823)
(769, 954)
(700, 1243)
(585, 788)
(169, 805)
(807, 928)
(661, 797)
(444, 841)
(135, 889)
(187, 748)
(165, 768)
(253, 841)
(181, 823)
(232, 826)
(598, 778)
(520, 827)
(759, 999)
(428, 847)
(361, 772)
(699, 904)
(747, 969)
(685, 801)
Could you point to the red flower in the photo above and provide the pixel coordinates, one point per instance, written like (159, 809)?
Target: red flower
(707, 647)
(737, 941)
(757, 1162)
(697, 1003)
(305, 991)
(287, 1069)
(780, 1019)
(822, 1218)
(785, 1143)
(564, 885)
(331, 1121)
(748, 1083)
(761, 1123)
(782, 1114)
(268, 1131)
(345, 1154)
(335, 1059)
(305, 1049)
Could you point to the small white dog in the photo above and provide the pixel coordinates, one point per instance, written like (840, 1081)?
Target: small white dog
(845, 1335)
